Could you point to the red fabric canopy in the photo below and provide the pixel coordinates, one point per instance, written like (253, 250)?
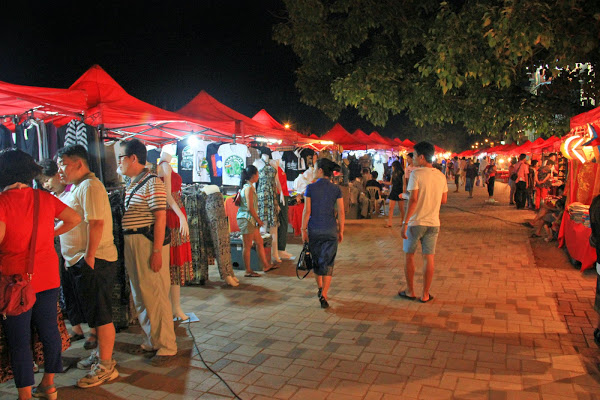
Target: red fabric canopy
(226, 120)
(56, 105)
(366, 140)
(339, 135)
(438, 149)
(377, 138)
(591, 117)
(408, 143)
(264, 118)
(551, 144)
(110, 105)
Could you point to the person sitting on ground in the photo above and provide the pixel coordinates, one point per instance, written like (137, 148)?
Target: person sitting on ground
(549, 217)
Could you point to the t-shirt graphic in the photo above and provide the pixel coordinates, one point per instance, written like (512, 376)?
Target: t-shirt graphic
(201, 167)
(185, 159)
(234, 161)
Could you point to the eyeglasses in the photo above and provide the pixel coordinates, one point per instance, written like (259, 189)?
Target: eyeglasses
(121, 157)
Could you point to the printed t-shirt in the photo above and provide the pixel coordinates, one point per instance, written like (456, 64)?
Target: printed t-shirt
(234, 161)
(323, 197)
(431, 184)
(152, 196)
(291, 165)
(215, 164)
(185, 161)
(16, 211)
(201, 161)
(90, 200)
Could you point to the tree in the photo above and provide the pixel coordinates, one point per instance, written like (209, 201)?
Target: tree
(465, 62)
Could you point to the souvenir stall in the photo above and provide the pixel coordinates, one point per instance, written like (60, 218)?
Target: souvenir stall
(581, 148)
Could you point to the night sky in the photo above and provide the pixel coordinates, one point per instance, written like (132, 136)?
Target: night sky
(164, 53)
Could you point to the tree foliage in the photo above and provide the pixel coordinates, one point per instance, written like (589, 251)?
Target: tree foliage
(461, 61)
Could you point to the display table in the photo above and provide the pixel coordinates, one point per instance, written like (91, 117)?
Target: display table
(576, 237)
(295, 217)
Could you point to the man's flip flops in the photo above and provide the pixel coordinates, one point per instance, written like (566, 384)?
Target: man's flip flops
(426, 301)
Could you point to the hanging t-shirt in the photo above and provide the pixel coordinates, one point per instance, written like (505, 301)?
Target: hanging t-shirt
(201, 162)
(234, 161)
(215, 164)
(283, 181)
(307, 155)
(185, 161)
(153, 156)
(27, 141)
(6, 140)
(291, 165)
(254, 155)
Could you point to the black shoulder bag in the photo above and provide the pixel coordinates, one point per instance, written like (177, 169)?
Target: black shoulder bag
(149, 231)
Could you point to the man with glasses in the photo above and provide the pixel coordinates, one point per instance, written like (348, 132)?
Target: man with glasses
(146, 254)
(428, 191)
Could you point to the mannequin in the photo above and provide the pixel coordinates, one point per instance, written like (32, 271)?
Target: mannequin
(281, 181)
(268, 207)
(181, 252)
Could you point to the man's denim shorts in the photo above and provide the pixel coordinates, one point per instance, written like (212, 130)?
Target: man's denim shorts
(426, 234)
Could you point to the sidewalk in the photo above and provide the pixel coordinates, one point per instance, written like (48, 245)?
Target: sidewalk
(509, 321)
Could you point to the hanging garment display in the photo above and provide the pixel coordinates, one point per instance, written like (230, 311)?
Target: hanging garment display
(234, 161)
(290, 166)
(266, 193)
(123, 312)
(254, 155)
(76, 133)
(6, 138)
(219, 230)
(109, 165)
(27, 140)
(201, 167)
(215, 164)
(52, 133)
(194, 201)
(185, 161)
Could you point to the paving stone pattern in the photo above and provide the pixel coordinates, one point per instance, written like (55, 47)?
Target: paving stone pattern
(500, 326)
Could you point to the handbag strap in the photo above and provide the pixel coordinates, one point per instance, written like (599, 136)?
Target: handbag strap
(139, 185)
(33, 241)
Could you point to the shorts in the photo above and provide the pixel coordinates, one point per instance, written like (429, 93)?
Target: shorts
(323, 249)
(247, 226)
(427, 235)
(94, 288)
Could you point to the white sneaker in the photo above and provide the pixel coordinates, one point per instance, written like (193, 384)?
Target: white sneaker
(86, 363)
(98, 375)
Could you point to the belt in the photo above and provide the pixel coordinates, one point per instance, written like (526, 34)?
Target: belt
(137, 231)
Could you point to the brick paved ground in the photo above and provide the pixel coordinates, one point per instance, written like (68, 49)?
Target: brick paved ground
(506, 323)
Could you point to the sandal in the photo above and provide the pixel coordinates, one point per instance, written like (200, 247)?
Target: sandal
(404, 295)
(75, 337)
(91, 344)
(252, 275)
(272, 268)
(41, 392)
(426, 301)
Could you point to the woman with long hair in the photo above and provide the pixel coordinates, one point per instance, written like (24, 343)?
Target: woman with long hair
(249, 222)
(512, 183)
(17, 203)
(396, 182)
(319, 225)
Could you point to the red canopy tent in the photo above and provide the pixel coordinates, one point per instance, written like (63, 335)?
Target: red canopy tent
(366, 140)
(377, 138)
(438, 149)
(226, 120)
(56, 105)
(408, 143)
(342, 137)
(110, 106)
(550, 144)
(264, 118)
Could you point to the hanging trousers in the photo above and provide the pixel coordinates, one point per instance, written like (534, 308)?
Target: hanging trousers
(219, 232)
(150, 292)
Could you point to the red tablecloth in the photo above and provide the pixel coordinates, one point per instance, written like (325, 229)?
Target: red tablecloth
(576, 237)
(295, 217)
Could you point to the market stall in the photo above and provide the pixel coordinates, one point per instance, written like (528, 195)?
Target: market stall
(580, 148)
